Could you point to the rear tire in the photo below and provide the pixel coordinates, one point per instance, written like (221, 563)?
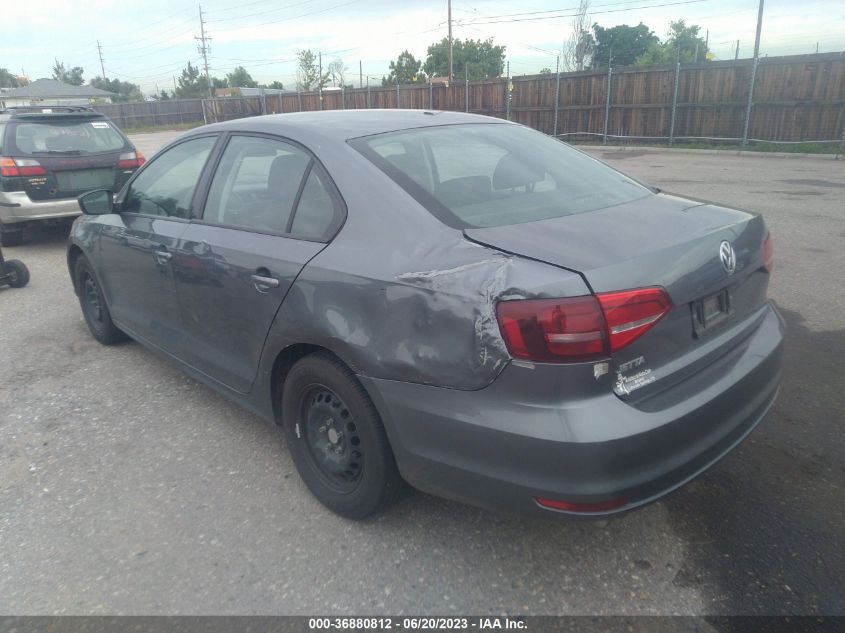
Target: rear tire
(94, 308)
(337, 439)
(10, 237)
(18, 272)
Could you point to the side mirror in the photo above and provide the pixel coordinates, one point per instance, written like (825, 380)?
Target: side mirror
(97, 202)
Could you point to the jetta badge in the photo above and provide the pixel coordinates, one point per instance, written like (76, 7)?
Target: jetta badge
(728, 257)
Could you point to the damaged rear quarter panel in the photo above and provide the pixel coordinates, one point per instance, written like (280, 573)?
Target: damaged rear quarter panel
(401, 296)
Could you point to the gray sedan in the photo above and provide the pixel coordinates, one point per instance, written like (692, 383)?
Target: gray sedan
(442, 299)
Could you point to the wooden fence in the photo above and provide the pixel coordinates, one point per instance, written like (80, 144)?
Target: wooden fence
(778, 99)
(153, 113)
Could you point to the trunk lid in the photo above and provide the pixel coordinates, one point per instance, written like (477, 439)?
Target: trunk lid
(78, 151)
(660, 240)
(69, 176)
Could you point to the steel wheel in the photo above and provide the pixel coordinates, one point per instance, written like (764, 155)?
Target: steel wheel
(335, 448)
(92, 301)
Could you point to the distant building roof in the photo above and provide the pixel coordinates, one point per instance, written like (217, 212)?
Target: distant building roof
(52, 89)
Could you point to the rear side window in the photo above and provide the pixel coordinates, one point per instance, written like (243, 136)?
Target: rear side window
(256, 184)
(166, 185)
(481, 175)
(67, 137)
(268, 185)
(316, 211)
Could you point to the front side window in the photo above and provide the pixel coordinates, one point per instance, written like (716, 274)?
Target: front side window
(67, 137)
(166, 186)
(481, 175)
(256, 184)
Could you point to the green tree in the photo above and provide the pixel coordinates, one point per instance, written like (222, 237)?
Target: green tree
(681, 45)
(620, 45)
(545, 71)
(240, 78)
(163, 96)
(275, 85)
(7, 79)
(407, 69)
(72, 76)
(124, 90)
(480, 59)
(308, 71)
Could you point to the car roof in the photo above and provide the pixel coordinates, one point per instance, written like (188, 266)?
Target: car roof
(49, 113)
(347, 124)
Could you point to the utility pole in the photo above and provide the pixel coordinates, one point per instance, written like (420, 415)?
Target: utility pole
(759, 29)
(706, 44)
(360, 75)
(736, 50)
(204, 49)
(754, 65)
(320, 78)
(100, 53)
(450, 41)
(174, 86)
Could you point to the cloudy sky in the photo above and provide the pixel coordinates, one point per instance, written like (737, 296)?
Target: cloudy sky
(149, 42)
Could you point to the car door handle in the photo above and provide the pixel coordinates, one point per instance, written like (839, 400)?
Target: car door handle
(263, 283)
(162, 257)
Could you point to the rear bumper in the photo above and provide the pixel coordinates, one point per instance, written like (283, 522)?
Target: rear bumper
(498, 448)
(16, 208)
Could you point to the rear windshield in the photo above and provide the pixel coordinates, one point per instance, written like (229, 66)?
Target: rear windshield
(481, 175)
(67, 137)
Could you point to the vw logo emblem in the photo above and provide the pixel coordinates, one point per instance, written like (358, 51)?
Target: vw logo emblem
(728, 257)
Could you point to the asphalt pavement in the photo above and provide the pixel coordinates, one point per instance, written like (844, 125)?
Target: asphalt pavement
(128, 488)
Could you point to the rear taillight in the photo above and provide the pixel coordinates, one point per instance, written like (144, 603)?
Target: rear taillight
(12, 167)
(131, 160)
(630, 313)
(768, 253)
(579, 328)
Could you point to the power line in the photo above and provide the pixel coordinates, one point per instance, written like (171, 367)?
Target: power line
(496, 19)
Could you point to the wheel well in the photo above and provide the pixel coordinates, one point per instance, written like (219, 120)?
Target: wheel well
(286, 359)
(72, 255)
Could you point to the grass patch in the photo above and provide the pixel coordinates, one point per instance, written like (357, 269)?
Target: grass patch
(161, 128)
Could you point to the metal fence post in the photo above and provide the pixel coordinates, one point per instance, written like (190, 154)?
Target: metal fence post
(369, 101)
(508, 90)
(430, 96)
(843, 128)
(204, 117)
(607, 104)
(750, 102)
(466, 88)
(674, 104)
(343, 97)
(299, 99)
(397, 94)
(557, 95)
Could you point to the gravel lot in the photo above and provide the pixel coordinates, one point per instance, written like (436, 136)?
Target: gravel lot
(128, 488)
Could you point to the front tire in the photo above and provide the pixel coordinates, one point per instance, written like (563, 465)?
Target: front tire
(18, 273)
(93, 304)
(337, 439)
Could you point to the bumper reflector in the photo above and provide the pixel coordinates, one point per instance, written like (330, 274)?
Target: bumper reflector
(571, 506)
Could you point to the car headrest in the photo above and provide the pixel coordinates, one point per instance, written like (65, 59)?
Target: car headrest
(513, 172)
(463, 191)
(283, 169)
